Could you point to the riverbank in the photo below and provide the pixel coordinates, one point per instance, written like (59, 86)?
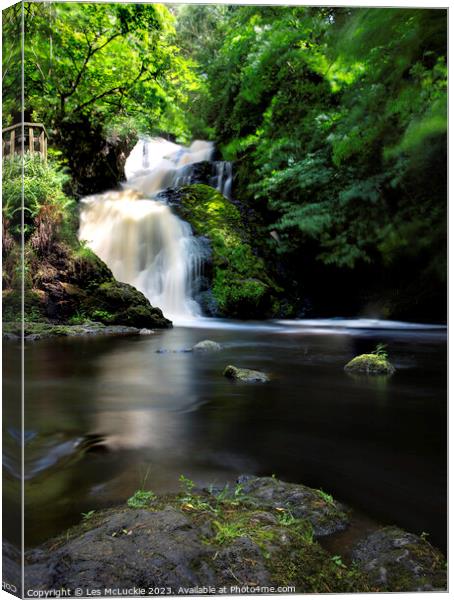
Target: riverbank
(39, 331)
(259, 533)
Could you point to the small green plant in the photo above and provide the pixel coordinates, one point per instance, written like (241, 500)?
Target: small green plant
(380, 350)
(86, 516)
(186, 484)
(424, 536)
(102, 315)
(286, 518)
(337, 560)
(233, 498)
(326, 497)
(189, 500)
(141, 499)
(305, 530)
(227, 532)
(77, 318)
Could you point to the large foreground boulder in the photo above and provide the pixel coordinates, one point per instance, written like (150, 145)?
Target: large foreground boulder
(249, 539)
(188, 544)
(398, 561)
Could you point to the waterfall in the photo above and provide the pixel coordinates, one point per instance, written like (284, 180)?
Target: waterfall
(138, 236)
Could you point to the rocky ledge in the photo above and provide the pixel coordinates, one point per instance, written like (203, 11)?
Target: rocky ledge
(39, 331)
(261, 533)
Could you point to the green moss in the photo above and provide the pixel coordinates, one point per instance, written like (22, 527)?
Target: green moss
(311, 569)
(372, 364)
(241, 285)
(12, 306)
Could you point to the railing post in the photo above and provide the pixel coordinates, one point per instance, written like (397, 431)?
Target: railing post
(12, 143)
(31, 141)
(41, 144)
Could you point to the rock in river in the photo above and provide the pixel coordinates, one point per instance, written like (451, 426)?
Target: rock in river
(207, 346)
(263, 532)
(245, 375)
(398, 561)
(370, 364)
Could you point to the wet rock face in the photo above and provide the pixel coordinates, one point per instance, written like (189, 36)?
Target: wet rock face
(398, 561)
(370, 364)
(148, 549)
(325, 514)
(245, 375)
(130, 548)
(97, 161)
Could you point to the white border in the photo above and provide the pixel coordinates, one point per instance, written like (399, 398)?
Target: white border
(364, 3)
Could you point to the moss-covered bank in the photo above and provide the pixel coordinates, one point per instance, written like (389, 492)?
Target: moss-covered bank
(71, 285)
(241, 285)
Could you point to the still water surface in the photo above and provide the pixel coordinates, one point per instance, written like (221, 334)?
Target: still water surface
(106, 416)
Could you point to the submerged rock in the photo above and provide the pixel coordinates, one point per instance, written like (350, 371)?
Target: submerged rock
(207, 346)
(371, 364)
(245, 375)
(398, 561)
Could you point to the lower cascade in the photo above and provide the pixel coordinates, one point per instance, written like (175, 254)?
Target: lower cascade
(140, 239)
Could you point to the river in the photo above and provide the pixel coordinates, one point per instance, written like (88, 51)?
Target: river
(105, 416)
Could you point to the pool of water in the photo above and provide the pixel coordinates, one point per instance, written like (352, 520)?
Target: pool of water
(106, 416)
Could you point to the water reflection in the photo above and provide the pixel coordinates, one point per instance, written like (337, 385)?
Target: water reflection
(105, 412)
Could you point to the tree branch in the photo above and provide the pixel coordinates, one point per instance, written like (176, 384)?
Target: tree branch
(120, 88)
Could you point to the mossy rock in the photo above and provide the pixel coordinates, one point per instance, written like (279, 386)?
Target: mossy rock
(325, 515)
(115, 303)
(71, 285)
(398, 561)
(245, 375)
(34, 305)
(370, 364)
(180, 542)
(33, 331)
(241, 286)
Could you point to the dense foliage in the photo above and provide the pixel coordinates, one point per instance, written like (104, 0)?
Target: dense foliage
(337, 121)
(111, 63)
(96, 74)
(41, 184)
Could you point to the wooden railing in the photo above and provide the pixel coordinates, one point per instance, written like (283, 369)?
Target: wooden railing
(27, 137)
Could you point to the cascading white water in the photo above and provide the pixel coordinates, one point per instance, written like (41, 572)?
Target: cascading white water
(138, 236)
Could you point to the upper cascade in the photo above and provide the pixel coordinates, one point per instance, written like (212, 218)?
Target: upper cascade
(156, 164)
